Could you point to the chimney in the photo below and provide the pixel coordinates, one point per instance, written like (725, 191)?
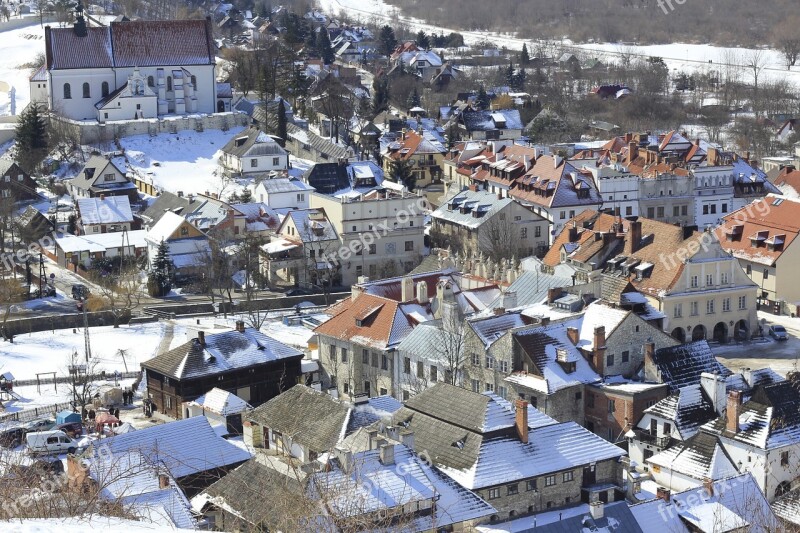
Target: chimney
(650, 368)
(407, 438)
(708, 486)
(373, 438)
(599, 346)
(163, 481)
(361, 399)
(663, 493)
(386, 452)
(596, 510)
(573, 232)
(714, 387)
(355, 292)
(733, 411)
(633, 151)
(521, 420)
(201, 338)
(406, 289)
(509, 299)
(498, 311)
(573, 335)
(422, 292)
(345, 458)
(635, 235)
(554, 294)
(102, 197)
(240, 326)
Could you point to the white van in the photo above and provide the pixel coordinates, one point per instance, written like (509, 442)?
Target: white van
(50, 442)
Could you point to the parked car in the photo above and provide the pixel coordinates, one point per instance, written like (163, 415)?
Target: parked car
(40, 424)
(778, 332)
(50, 442)
(73, 429)
(297, 292)
(11, 438)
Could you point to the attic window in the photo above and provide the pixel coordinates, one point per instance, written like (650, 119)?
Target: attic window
(460, 443)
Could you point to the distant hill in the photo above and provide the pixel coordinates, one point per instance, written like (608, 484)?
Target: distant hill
(724, 22)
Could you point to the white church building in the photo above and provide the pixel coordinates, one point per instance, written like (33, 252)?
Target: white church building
(130, 70)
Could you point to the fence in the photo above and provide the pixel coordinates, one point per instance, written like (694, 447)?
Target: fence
(32, 414)
(68, 379)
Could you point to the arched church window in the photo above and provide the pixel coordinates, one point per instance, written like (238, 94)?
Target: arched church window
(169, 83)
(87, 92)
(67, 91)
(104, 89)
(150, 81)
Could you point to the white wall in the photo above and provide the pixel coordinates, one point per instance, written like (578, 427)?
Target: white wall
(125, 109)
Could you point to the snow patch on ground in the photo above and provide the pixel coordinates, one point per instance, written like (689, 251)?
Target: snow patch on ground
(18, 47)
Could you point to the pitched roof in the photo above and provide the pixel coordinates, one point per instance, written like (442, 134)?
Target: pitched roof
(487, 120)
(682, 365)
(553, 182)
(327, 178)
(761, 231)
(222, 402)
(312, 225)
(253, 143)
(183, 447)
(92, 171)
(109, 210)
(700, 457)
(617, 518)
(320, 144)
(130, 44)
(169, 202)
(688, 408)
(311, 418)
(221, 353)
(471, 209)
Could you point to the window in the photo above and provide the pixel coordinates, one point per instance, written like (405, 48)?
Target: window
(651, 212)
(490, 387)
(512, 489)
(749, 270)
(409, 246)
(87, 92)
(563, 215)
(567, 476)
(375, 360)
(253, 163)
(705, 209)
(494, 493)
(434, 373)
(710, 307)
(667, 429)
(523, 233)
(694, 311)
(502, 391)
(784, 458)
(276, 161)
(709, 280)
(713, 209)
(406, 395)
(610, 359)
(549, 481)
(67, 91)
(384, 362)
(612, 406)
(406, 365)
(420, 369)
(628, 211)
(694, 281)
(723, 278)
(684, 210)
(169, 83)
(537, 231)
(108, 177)
(589, 399)
(726, 305)
(676, 211)
(476, 359)
(742, 302)
(184, 230)
(766, 273)
(373, 249)
(626, 355)
(359, 270)
(660, 212)
(194, 81)
(530, 485)
(138, 107)
(571, 213)
(476, 385)
(677, 312)
(104, 89)
(344, 355)
(489, 361)
(503, 366)
(724, 208)
(150, 81)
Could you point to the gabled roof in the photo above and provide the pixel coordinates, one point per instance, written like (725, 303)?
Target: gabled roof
(320, 144)
(688, 409)
(311, 418)
(109, 210)
(253, 143)
(312, 225)
(182, 448)
(472, 209)
(554, 182)
(137, 43)
(169, 202)
(617, 518)
(700, 457)
(222, 352)
(682, 365)
(327, 178)
(222, 402)
(93, 170)
(167, 225)
(488, 120)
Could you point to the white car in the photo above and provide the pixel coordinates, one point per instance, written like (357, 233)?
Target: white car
(50, 442)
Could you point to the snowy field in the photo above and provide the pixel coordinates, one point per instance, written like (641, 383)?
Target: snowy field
(185, 161)
(18, 47)
(678, 56)
(81, 525)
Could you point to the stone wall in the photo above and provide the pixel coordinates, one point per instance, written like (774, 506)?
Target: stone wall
(91, 132)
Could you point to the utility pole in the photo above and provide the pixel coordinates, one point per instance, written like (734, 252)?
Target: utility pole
(86, 344)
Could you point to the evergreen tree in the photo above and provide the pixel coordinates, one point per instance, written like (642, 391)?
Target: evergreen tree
(509, 79)
(311, 43)
(413, 99)
(380, 94)
(246, 197)
(482, 100)
(282, 133)
(387, 40)
(402, 173)
(31, 138)
(159, 280)
(324, 47)
(524, 58)
(423, 41)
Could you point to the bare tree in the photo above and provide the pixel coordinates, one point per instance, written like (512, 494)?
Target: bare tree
(120, 291)
(787, 40)
(756, 62)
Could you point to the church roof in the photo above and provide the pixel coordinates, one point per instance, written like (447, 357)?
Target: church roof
(142, 43)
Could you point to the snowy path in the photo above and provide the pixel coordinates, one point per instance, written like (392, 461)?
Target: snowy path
(166, 340)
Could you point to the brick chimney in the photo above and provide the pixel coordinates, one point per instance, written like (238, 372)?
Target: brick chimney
(599, 346)
(663, 493)
(635, 235)
(386, 453)
(240, 326)
(554, 294)
(573, 335)
(708, 486)
(633, 151)
(521, 420)
(733, 411)
(650, 368)
(201, 338)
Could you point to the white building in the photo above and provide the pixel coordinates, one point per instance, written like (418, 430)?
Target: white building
(253, 152)
(130, 70)
(618, 188)
(283, 193)
(713, 194)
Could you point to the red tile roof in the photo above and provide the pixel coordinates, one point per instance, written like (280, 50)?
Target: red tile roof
(789, 176)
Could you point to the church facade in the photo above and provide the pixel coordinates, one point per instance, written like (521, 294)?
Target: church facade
(131, 70)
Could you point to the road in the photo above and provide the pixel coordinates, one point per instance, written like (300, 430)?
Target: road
(780, 356)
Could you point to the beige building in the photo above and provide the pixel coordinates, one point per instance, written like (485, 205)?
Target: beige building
(701, 289)
(425, 157)
(761, 236)
(382, 230)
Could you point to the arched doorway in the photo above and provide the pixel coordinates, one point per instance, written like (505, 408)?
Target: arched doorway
(220, 106)
(679, 335)
(699, 333)
(721, 332)
(741, 331)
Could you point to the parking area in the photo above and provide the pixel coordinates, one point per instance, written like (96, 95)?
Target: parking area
(781, 356)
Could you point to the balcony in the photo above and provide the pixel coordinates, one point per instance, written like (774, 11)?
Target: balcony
(648, 438)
